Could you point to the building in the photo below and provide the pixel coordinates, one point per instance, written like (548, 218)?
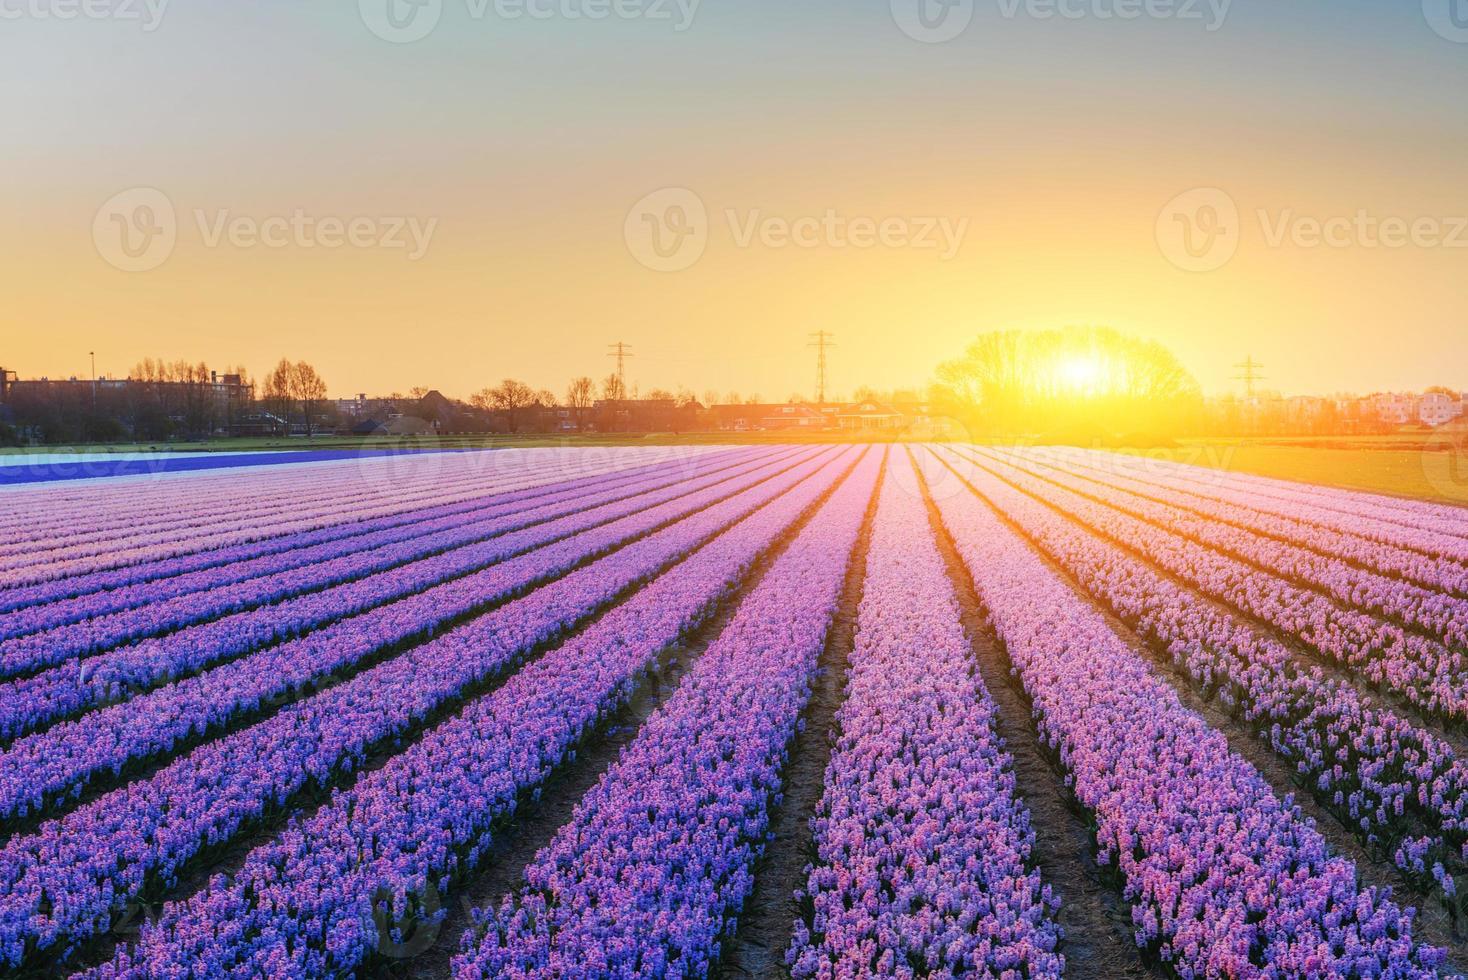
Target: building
(869, 416)
(761, 417)
(1439, 407)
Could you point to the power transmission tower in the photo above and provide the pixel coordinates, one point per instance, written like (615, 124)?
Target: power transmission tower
(621, 352)
(822, 341)
(1249, 373)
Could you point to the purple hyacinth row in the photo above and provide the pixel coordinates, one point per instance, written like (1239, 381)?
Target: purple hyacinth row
(62, 760)
(295, 552)
(257, 556)
(1432, 677)
(445, 583)
(379, 859)
(54, 521)
(1444, 617)
(69, 879)
(923, 852)
(109, 556)
(194, 501)
(1435, 529)
(1386, 778)
(1224, 878)
(1404, 554)
(658, 858)
(162, 609)
(320, 495)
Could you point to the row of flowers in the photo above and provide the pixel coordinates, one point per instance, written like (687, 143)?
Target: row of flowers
(279, 547)
(164, 609)
(61, 762)
(109, 553)
(68, 880)
(1430, 676)
(1441, 616)
(368, 873)
(1286, 522)
(923, 852)
(61, 516)
(1431, 528)
(647, 878)
(1224, 878)
(85, 546)
(28, 704)
(289, 553)
(1386, 778)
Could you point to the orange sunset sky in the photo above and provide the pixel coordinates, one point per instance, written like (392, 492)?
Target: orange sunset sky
(1056, 142)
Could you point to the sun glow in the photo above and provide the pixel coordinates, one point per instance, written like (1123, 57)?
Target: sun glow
(1080, 375)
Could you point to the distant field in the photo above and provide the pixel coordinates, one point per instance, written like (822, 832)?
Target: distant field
(1420, 465)
(1411, 466)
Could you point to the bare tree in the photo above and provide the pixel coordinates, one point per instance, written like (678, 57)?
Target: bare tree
(510, 396)
(308, 388)
(580, 395)
(276, 392)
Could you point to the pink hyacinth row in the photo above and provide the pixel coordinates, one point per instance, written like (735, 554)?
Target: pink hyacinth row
(1386, 778)
(1422, 670)
(923, 852)
(1404, 552)
(1225, 880)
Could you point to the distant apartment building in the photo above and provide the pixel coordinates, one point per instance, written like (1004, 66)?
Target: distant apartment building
(1439, 408)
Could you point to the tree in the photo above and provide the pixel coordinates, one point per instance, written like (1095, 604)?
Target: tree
(580, 395)
(1078, 380)
(509, 396)
(308, 388)
(276, 391)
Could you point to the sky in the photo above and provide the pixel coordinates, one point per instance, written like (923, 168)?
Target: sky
(460, 191)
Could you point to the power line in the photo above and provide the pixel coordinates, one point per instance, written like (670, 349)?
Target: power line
(621, 352)
(1249, 374)
(822, 341)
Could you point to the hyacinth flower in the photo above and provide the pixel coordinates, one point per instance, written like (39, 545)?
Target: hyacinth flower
(648, 877)
(1385, 777)
(380, 858)
(1224, 878)
(923, 849)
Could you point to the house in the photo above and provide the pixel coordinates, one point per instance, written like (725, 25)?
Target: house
(870, 415)
(1439, 407)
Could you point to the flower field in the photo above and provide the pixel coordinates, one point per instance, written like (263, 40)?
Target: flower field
(570, 712)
